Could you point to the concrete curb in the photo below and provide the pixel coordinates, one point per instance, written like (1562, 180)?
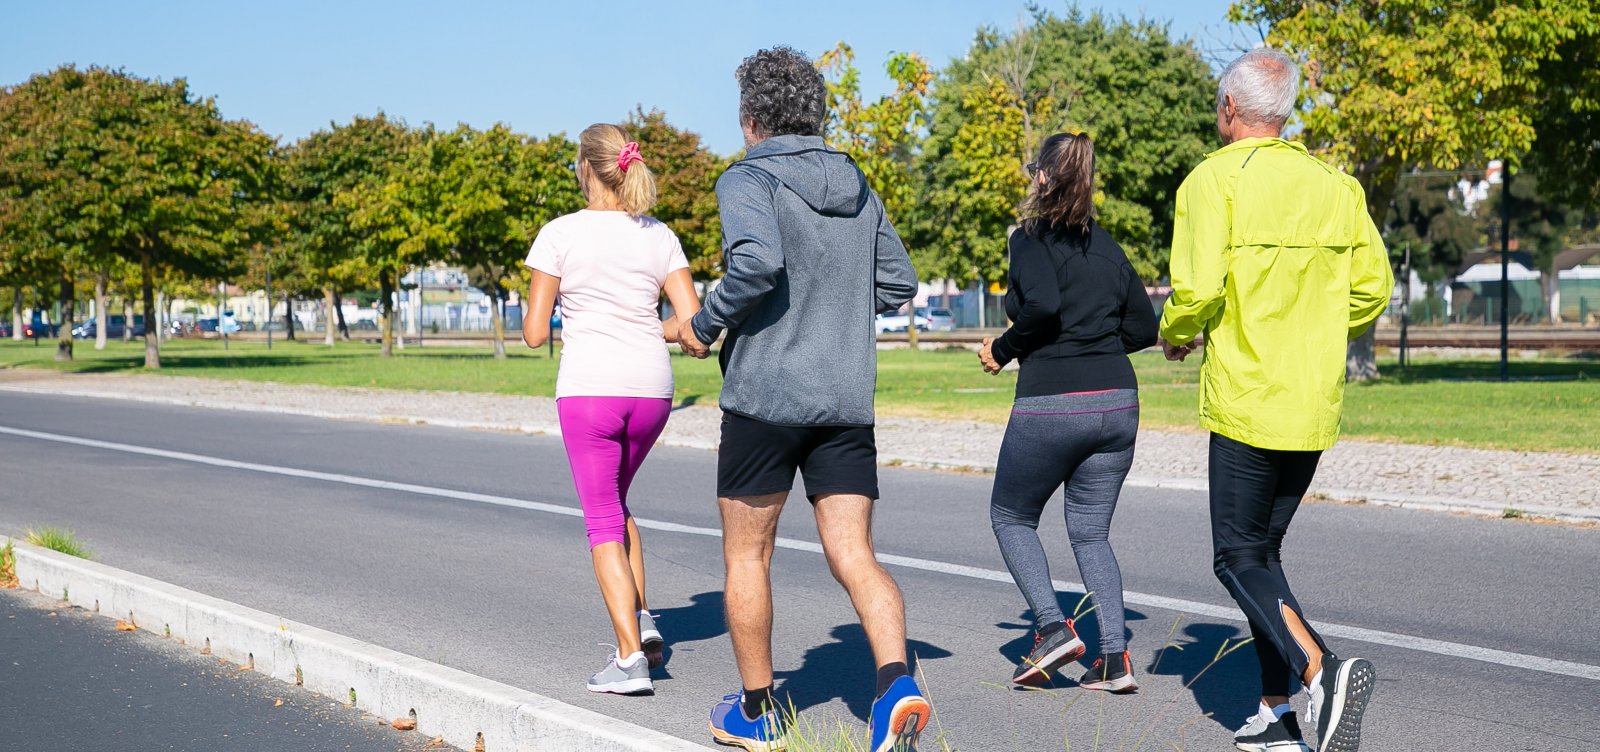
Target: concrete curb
(1479, 508)
(466, 710)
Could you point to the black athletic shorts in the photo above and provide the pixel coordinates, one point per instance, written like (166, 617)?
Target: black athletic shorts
(758, 458)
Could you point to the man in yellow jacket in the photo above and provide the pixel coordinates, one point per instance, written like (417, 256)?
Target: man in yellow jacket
(1276, 260)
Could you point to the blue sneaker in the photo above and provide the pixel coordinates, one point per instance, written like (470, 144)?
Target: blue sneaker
(899, 716)
(730, 726)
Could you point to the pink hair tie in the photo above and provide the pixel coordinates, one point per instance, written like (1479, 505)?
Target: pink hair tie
(628, 155)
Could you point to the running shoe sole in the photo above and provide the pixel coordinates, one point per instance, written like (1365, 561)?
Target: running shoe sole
(1352, 690)
(906, 722)
(625, 687)
(749, 745)
(1119, 685)
(1039, 673)
(652, 645)
(1274, 747)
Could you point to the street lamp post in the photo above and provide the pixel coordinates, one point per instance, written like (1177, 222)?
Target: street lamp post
(1505, 274)
(222, 329)
(269, 308)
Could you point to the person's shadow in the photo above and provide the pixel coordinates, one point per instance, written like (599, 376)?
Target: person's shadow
(843, 669)
(702, 619)
(1226, 688)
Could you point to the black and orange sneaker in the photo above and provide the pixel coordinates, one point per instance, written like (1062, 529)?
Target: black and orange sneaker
(1052, 649)
(1112, 672)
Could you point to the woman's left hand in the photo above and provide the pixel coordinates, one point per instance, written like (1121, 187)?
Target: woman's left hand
(986, 356)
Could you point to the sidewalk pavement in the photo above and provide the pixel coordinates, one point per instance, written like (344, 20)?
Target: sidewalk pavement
(69, 680)
(1446, 478)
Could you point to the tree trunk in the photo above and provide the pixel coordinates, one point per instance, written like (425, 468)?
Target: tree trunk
(152, 337)
(338, 312)
(16, 314)
(1361, 357)
(288, 317)
(100, 316)
(127, 318)
(329, 303)
(499, 322)
(64, 321)
(164, 326)
(386, 313)
(1551, 284)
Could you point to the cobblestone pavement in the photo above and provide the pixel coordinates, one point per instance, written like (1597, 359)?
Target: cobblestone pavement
(1439, 477)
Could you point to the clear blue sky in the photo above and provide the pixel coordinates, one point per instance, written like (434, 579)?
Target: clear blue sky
(540, 66)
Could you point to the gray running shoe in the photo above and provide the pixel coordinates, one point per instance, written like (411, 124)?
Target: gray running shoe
(623, 676)
(1262, 734)
(650, 639)
(1339, 699)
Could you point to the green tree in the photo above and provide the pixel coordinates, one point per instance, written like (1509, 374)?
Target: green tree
(116, 165)
(498, 188)
(391, 206)
(1145, 98)
(322, 232)
(881, 136)
(686, 178)
(1414, 82)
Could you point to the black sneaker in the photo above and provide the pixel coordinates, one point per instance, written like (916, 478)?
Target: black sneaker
(1112, 672)
(1050, 652)
(1339, 698)
(1262, 734)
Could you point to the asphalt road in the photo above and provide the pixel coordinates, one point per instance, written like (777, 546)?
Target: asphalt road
(70, 682)
(447, 571)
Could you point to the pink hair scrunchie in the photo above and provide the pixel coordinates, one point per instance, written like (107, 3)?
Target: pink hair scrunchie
(628, 155)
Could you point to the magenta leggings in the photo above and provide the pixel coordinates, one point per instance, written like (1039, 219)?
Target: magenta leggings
(607, 439)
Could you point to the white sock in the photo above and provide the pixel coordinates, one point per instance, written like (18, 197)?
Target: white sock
(630, 660)
(643, 612)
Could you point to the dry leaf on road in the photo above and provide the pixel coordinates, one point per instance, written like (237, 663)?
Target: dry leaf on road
(123, 626)
(277, 702)
(404, 724)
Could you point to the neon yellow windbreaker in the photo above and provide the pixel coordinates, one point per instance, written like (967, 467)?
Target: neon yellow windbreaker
(1276, 259)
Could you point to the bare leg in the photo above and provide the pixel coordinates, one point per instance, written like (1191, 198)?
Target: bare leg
(616, 585)
(1302, 637)
(749, 530)
(844, 523)
(636, 562)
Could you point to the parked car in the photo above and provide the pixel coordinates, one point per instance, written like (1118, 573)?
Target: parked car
(209, 326)
(936, 320)
(115, 325)
(37, 328)
(5, 329)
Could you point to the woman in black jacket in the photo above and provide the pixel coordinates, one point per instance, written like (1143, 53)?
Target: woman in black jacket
(1077, 309)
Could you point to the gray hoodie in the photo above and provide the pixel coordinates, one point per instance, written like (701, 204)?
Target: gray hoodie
(809, 259)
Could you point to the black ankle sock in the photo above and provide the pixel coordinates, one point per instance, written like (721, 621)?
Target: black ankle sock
(758, 701)
(887, 674)
(1052, 628)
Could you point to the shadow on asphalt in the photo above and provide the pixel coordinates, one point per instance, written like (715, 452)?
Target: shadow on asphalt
(1228, 691)
(818, 680)
(702, 619)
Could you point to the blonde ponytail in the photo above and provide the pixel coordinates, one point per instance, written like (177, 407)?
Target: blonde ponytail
(632, 183)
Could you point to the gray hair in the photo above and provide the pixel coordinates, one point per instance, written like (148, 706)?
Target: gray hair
(1264, 84)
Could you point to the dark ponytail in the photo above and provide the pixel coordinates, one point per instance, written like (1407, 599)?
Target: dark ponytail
(1063, 203)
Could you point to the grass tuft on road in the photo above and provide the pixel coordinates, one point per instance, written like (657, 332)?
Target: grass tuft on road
(1433, 401)
(8, 565)
(59, 540)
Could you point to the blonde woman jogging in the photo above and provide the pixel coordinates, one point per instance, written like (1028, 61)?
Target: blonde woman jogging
(608, 264)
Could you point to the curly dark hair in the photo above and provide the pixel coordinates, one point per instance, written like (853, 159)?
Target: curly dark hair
(782, 91)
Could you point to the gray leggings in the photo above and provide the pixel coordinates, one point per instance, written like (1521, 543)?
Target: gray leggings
(1084, 441)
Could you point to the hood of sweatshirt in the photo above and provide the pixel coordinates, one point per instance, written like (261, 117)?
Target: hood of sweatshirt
(828, 181)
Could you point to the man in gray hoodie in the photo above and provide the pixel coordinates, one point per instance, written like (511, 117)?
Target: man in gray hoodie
(809, 258)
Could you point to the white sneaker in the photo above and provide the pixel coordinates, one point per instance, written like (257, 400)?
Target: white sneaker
(623, 676)
(1339, 696)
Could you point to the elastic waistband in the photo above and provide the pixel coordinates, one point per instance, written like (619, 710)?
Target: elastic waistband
(1076, 404)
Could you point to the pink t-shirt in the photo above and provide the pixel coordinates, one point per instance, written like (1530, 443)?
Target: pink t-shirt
(612, 267)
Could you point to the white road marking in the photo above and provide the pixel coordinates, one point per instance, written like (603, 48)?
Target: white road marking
(1376, 637)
